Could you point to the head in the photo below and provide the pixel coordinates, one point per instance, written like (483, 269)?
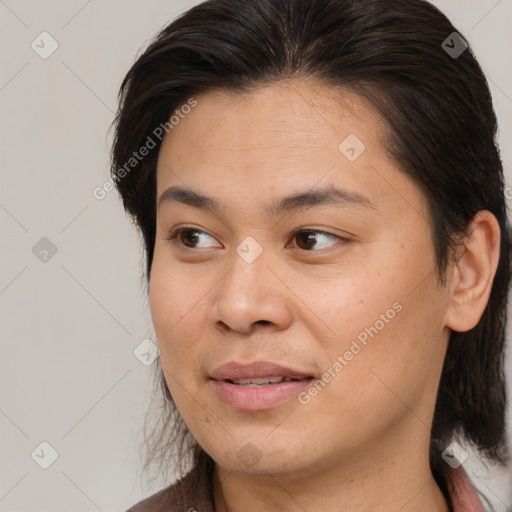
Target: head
(349, 121)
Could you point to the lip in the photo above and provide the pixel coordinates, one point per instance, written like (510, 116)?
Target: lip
(257, 398)
(257, 369)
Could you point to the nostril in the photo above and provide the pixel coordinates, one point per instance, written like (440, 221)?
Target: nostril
(264, 322)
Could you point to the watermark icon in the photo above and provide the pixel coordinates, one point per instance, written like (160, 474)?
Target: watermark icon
(249, 249)
(454, 45)
(343, 360)
(455, 455)
(149, 144)
(44, 455)
(44, 45)
(352, 147)
(249, 454)
(146, 352)
(44, 250)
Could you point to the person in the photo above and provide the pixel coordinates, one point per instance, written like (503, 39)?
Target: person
(321, 198)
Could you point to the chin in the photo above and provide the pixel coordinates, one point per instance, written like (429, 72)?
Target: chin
(256, 455)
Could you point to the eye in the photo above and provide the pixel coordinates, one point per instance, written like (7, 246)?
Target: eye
(307, 238)
(190, 237)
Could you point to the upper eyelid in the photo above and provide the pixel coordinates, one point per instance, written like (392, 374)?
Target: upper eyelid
(295, 232)
(181, 229)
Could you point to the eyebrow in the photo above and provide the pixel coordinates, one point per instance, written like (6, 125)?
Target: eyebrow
(329, 195)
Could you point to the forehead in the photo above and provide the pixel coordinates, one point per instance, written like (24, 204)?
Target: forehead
(281, 127)
(248, 148)
(288, 110)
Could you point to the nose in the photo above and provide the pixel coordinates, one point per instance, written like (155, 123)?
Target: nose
(249, 295)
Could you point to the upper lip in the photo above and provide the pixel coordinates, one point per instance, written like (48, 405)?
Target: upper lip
(258, 369)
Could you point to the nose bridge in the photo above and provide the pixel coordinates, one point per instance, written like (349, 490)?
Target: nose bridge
(242, 286)
(249, 292)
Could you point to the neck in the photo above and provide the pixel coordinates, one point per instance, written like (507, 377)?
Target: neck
(381, 480)
(235, 492)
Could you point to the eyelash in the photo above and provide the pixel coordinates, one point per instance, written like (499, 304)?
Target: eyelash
(184, 229)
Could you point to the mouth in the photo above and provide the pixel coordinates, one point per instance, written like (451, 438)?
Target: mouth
(257, 372)
(259, 385)
(263, 381)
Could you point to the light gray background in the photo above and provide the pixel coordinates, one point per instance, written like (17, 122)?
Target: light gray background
(70, 325)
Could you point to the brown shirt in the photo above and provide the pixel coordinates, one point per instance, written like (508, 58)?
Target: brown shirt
(192, 494)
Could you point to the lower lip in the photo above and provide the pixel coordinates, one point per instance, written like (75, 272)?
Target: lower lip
(258, 398)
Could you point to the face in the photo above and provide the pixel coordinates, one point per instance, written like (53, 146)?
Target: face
(312, 253)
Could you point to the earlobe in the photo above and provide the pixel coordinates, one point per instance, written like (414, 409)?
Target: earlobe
(474, 268)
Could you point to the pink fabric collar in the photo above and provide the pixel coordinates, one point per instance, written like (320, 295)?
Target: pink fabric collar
(464, 494)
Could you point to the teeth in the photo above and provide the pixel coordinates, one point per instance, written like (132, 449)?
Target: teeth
(263, 381)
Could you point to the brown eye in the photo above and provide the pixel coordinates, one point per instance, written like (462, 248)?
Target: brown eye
(190, 238)
(307, 238)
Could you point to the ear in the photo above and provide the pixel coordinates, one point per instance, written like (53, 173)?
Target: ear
(474, 268)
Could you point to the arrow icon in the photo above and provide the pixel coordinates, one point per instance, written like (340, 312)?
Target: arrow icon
(454, 455)
(351, 147)
(44, 45)
(44, 250)
(249, 252)
(454, 45)
(44, 455)
(146, 352)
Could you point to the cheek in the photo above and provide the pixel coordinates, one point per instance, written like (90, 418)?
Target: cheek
(175, 296)
(398, 356)
(386, 379)
(387, 328)
(176, 325)
(181, 302)
(177, 312)
(360, 307)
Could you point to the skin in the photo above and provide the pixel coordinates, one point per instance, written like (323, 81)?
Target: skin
(362, 443)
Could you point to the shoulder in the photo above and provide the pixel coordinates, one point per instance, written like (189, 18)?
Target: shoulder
(189, 494)
(158, 502)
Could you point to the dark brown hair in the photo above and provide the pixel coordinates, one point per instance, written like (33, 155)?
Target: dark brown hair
(442, 133)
